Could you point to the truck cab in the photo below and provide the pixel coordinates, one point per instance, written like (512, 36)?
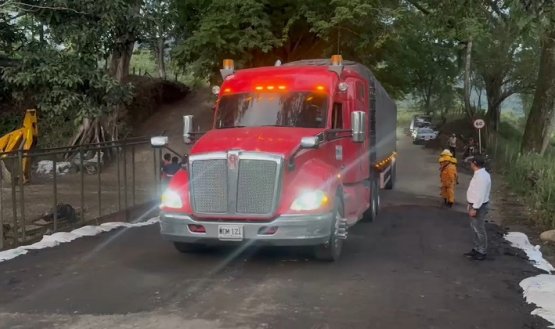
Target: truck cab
(297, 154)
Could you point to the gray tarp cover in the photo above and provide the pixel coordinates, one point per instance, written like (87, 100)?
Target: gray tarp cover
(386, 109)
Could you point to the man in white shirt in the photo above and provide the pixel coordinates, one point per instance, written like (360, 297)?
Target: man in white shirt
(477, 196)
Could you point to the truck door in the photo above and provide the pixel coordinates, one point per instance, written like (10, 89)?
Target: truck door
(356, 154)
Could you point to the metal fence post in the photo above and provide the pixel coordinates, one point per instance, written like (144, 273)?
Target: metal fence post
(82, 171)
(133, 173)
(156, 170)
(119, 179)
(14, 207)
(55, 187)
(99, 184)
(125, 180)
(21, 194)
(159, 177)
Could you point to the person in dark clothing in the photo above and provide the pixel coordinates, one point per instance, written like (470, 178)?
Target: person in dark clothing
(172, 168)
(167, 159)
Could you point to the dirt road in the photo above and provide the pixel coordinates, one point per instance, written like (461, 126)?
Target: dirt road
(406, 270)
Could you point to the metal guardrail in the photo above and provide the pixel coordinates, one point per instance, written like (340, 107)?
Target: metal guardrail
(111, 169)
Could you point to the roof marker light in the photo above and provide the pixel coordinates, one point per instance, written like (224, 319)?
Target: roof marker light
(320, 88)
(270, 87)
(281, 87)
(336, 60)
(228, 64)
(258, 87)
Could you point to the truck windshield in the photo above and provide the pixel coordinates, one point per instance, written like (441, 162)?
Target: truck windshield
(292, 109)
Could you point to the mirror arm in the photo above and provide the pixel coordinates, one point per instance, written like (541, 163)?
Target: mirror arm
(291, 162)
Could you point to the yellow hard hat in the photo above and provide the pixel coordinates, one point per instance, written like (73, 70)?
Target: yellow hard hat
(446, 152)
(444, 158)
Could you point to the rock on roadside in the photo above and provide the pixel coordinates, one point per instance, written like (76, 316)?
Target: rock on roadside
(548, 236)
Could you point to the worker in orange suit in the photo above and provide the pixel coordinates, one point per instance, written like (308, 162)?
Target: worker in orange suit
(448, 176)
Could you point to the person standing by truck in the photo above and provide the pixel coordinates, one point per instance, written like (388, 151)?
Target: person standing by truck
(477, 195)
(448, 177)
(453, 145)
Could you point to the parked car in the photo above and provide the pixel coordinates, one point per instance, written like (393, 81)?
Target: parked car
(419, 122)
(424, 134)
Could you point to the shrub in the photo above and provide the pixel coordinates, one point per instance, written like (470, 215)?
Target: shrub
(532, 176)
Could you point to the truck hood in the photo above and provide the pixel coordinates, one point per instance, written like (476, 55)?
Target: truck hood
(282, 140)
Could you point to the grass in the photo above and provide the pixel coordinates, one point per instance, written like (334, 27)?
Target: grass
(142, 63)
(529, 175)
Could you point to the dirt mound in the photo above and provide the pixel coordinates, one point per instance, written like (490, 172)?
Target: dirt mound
(150, 95)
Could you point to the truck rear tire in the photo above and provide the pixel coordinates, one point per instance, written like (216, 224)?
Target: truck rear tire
(372, 213)
(331, 250)
(185, 247)
(392, 175)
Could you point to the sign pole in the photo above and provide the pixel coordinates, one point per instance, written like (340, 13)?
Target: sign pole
(480, 140)
(479, 124)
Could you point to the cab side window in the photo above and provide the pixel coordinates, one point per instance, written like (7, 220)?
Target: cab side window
(337, 116)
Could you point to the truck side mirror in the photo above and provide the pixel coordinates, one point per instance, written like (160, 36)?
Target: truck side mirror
(187, 128)
(358, 125)
(311, 142)
(159, 141)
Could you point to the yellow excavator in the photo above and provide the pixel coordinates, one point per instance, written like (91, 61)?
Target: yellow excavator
(24, 138)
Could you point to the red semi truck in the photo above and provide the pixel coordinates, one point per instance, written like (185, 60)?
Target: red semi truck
(298, 153)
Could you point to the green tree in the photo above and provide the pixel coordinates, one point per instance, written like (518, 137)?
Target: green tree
(158, 18)
(539, 125)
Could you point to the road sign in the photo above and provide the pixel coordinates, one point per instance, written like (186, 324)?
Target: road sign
(479, 123)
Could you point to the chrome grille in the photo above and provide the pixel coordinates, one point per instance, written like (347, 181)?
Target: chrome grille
(256, 186)
(209, 186)
(237, 184)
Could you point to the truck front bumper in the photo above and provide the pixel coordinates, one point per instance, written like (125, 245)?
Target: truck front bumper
(298, 230)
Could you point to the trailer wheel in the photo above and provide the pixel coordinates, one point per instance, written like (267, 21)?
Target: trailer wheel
(392, 175)
(372, 213)
(185, 247)
(331, 250)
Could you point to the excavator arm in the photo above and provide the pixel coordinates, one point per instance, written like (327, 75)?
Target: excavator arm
(24, 138)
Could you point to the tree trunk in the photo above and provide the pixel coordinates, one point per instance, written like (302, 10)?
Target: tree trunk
(119, 64)
(467, 62)
(539, 125)
(159, 56)
(494, 107)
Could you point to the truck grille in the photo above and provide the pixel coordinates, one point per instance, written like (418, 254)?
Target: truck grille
(209, 186)
(247, 188)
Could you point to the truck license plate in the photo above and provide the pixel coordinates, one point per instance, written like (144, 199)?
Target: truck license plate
(230, 232)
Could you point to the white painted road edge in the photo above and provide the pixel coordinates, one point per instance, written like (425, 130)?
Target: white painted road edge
(539, 289)
(55, 239)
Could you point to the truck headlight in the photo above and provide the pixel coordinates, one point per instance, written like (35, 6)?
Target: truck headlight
(171, 199)
(310, 200)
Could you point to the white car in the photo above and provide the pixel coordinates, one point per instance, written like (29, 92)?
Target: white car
(423, 135)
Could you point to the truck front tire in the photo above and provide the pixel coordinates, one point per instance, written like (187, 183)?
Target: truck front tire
(331, 250)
